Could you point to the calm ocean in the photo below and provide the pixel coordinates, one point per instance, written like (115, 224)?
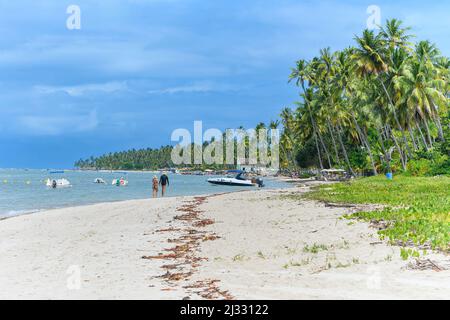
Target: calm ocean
(24, 191)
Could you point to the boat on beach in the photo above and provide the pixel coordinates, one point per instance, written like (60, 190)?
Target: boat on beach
(240, 180)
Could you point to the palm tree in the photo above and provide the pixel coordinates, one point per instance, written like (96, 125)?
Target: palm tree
(343, 79)
(287, 140)
(427, 51)
(395, 35)
(306, 72)
(370, 95)
(422, 95)
(370, 57)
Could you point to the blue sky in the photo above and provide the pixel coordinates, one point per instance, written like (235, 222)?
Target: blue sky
(138, 69)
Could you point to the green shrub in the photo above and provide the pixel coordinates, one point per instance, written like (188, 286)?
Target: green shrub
(442, 168)
(420, 168)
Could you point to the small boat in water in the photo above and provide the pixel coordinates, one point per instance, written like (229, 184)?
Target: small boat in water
(58, 183)
(120, 182)
(99, 181)
(240, 180)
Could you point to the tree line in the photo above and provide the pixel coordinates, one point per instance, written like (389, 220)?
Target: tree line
(379, 106)
(153, 159)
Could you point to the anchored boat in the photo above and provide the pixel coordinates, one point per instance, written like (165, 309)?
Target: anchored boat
(58, 183)
(99, 181)
(120, 182)
(240, 180)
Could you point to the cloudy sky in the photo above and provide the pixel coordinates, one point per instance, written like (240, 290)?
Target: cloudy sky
(138, 69)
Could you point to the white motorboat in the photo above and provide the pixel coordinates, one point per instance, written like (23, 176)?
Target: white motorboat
(239, 181)
(58, 183)
(120, 182)
(99, 181)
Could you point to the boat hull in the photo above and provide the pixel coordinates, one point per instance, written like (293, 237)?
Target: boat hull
(58, 183)
(231, 182)
(119, 183)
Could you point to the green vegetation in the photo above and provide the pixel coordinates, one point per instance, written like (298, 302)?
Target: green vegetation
(261, 255)
(315, 248)
(379, 106)
(153, 159)
(416, 212)
(143, 159)
(239, 258)
(150, 159)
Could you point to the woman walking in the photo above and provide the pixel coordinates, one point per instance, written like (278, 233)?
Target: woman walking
(155, 186)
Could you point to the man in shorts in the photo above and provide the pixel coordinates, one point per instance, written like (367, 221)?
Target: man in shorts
(164, 182)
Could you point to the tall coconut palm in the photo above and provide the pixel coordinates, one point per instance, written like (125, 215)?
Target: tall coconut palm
(308, 122)
(287, 140)
(370, 57)
(303, 73)
(427, 51)
(342, 82)
(395, 35)
(421, 95)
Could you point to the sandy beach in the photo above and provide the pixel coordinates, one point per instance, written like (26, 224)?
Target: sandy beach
(247, 245)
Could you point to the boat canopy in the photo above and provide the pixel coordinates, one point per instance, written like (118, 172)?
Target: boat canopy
(235, 171)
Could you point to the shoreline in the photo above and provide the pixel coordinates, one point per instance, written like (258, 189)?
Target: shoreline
(17, 213)
(253, 244)
(81, 206)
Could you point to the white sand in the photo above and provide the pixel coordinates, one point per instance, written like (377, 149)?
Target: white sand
(265, 254)
(262, 253)
(105, 242)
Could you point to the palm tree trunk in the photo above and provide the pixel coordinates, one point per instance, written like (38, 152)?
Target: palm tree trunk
(316, 133)
(380, 139)
(413, 139)
(437, 118)
(330, 165)
(344, 151)
(365, 142)
(318, 151)
(324, 148)
(424, 141)
(430, 141)
(315, 138)
(316, 130)
(397, 145)
(287, 155)
(405, 141)
(330, 129)
(380, 136)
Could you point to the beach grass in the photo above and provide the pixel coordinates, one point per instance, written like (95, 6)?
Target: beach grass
(416, 210)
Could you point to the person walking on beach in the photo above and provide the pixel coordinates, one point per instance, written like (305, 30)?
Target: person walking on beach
(164, 182)
(155, 183)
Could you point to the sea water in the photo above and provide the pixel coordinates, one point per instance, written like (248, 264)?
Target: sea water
(24, 191)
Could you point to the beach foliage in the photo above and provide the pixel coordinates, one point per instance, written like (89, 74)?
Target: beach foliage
(415, 213)
(378, 106)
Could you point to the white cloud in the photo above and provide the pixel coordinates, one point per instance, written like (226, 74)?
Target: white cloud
(110, 57)
(198, 87)
(56, 125)
(80, 90)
